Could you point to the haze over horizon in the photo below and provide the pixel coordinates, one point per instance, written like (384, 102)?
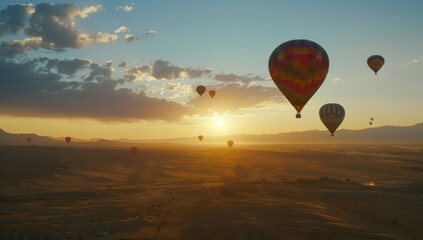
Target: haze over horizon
(109, 69)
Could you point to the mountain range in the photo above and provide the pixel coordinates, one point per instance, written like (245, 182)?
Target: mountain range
(407, 134)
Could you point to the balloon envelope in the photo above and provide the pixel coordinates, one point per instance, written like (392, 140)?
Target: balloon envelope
(332, 115)
(200, 137)
(230, 143)
(201, 90)
(134, 151)
(68, 139)
(29, 139)
(370, 123)
(298, 68)
(375, 62)
(371, 119)
(212, 93)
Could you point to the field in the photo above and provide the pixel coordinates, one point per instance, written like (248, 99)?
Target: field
(188, 192)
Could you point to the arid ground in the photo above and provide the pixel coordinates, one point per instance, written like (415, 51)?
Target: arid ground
(210, 192)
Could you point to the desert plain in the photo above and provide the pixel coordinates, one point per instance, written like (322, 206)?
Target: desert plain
(176, 191)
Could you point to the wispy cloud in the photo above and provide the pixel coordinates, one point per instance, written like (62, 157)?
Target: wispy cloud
(129, 37)
(122, 29)
(126, 8)
(149, 33)
(416, 60)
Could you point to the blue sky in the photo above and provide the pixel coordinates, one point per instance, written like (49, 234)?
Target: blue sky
(237, 37)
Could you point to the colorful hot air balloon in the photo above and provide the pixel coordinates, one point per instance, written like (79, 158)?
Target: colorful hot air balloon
(375, 62)
(298, 68)
(200, 137)
(134, 151)
(68, 139)
(370, 123)
(201, 90)
(332, 115)
(29, 139)
(230, 143)
(212, 93)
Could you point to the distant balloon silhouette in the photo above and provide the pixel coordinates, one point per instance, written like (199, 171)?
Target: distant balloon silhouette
(332, 115)
(200, 137)
(29, 140)
(68, 139)
(212, 93)
(371, 119)
(370, 123)
(230, 143)
(201, 90)
(375, 62)
(134, 151)
(298, 68)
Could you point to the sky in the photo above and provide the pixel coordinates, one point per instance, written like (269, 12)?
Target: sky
(129, 69)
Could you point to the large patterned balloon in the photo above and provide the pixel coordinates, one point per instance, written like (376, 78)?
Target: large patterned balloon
(332, 115)
(298, 68)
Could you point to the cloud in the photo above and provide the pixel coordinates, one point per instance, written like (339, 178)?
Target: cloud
(129, 37)
(137, 73)
(13, 17)
(126, 8)
(234, 96)
(16, 47)
(414, 61)
(122, 64)
(335, 79)
(232, 78)
(100, 73)
(122, 29)
(99, 37)
(31, 89)
(163, 70)
(68, 67)
(149, 33)
(198, 73)
(55, 24)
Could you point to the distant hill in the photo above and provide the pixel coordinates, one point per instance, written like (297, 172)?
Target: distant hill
(377, 134)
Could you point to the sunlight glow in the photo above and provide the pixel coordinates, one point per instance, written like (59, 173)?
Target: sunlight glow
(219, 123)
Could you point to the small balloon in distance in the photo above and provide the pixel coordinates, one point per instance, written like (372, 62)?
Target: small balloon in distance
(230, 143)
(212, 93)
(201, 90)
(200, 137)
(68, 139)
(375, 63)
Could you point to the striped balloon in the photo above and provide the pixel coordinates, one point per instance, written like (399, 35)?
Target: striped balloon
(332, 115)
(298, 68)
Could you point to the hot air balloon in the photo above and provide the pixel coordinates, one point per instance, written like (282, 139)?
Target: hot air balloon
(298, 68)
(375, 62)
(332, 115)
(29, 140)
(212, 93)
(68, 139)
(370, 123)
(134, 151)
(371, 119)
(201, 90)
(200, 137)
(230, 143)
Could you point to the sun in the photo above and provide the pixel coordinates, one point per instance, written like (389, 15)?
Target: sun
(219, 123)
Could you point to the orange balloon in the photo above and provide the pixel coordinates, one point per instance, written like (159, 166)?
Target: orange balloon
(200, 137)
(212, 93)
(68, 139)
(230, 143)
